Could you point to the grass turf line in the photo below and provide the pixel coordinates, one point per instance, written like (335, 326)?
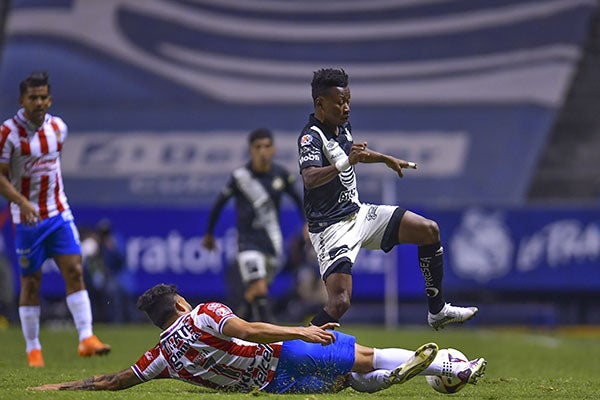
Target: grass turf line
(522, 364)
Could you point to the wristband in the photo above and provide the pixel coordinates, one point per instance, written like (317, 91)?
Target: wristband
(343, 164)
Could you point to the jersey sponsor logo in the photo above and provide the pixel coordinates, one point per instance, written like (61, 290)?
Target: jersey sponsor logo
(40, 165)
(256, 375)
(347, 195)
(372, 213)
(310, 157)
(178, 342)
(336, 251)
(306, 140)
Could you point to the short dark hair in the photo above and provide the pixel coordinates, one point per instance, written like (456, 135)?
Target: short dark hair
(260, 133)
(326, 78)
(158, 303)
(35, 79)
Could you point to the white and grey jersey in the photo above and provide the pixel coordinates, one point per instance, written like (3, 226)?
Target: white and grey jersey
(338, 198)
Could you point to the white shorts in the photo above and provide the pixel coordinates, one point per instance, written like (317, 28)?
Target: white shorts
(344, 239)
(256, 265)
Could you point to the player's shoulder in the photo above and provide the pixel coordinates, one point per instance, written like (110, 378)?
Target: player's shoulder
(57, 121)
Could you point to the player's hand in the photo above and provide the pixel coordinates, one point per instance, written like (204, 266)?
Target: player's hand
(209, 242)
(320, 334)
(358, 152)
(49, 386)
(29, 215)
(397, 164)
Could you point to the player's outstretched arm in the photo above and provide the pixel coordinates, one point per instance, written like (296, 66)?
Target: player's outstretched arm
(121, 380)
(363, 154)
(262, 332)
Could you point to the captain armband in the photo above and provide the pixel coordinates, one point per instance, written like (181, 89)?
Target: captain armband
(342, 164)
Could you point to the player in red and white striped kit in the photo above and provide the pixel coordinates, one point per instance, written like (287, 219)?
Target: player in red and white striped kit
(30, 178)
(210, 346)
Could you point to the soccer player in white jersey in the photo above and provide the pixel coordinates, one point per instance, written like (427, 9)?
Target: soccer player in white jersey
(30, 179)
(210, 346)
(340, 225)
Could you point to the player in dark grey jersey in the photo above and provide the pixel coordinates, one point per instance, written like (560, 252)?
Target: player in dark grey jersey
(340, 225)
(257, 188)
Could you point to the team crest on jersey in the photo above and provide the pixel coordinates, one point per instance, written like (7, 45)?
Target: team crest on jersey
(23, 262)
(277, 184)
(306, 140)
(222, 311)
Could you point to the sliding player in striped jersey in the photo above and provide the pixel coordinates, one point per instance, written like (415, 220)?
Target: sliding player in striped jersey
(30, 178)
(212, 347)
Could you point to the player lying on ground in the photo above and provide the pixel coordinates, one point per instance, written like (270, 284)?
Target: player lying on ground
(212, 347)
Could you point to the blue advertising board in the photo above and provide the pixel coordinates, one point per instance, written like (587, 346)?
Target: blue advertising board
(514, 250)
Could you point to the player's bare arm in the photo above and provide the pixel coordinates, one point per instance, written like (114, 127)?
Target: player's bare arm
(29, 214)
(317, 176)
(367, 155)
(262, 332)
(118, 381)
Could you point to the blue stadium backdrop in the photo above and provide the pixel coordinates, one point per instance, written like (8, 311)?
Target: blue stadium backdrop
(160, 94)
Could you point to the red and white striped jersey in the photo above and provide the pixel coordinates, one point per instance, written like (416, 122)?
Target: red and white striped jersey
(33, 157)
(195, 350)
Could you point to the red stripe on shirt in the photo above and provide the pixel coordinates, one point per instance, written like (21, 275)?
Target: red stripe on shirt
(229, 347)
(23, 140)
(4, 132)
(57, 132)
(43, 200)
(43, 141)
(59, 205)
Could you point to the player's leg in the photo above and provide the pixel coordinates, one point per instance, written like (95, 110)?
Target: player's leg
(368, 377)
(63, 244)
(337, 248)
(29, 315)
(254, 274)
(31, 255)
(78, 302)
(339, 293)
(425, 233)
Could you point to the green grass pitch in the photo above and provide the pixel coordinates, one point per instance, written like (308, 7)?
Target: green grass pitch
(522, 364)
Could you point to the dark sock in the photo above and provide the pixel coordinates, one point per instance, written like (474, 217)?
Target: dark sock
(261, 310)
(244, 310)
(321, 318)
(431, 261)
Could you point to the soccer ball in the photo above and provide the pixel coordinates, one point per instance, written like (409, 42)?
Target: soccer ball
(445, 384)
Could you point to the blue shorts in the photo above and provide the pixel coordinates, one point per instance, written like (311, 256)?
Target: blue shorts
(310, 367)
(51, 237)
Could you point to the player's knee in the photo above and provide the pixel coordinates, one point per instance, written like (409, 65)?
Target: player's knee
(73, 276)
(431, 231)
(339, 304)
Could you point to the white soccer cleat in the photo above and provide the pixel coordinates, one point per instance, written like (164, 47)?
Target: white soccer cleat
(412, 367)
(450, 314)
(473, 371)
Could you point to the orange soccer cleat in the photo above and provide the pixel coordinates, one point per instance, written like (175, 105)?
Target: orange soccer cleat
(92, 346)
(35, 358)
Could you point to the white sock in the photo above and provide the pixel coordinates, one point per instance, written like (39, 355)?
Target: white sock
(30, 325)
(370, 382)
(81, 309)
(391, 358)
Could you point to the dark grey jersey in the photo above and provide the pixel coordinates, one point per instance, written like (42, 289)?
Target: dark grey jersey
(257, 204)
(338, 198)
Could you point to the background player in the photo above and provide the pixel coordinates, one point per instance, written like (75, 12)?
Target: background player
(30, 178)
(210, 346)
(257, 188)
(339, 224)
